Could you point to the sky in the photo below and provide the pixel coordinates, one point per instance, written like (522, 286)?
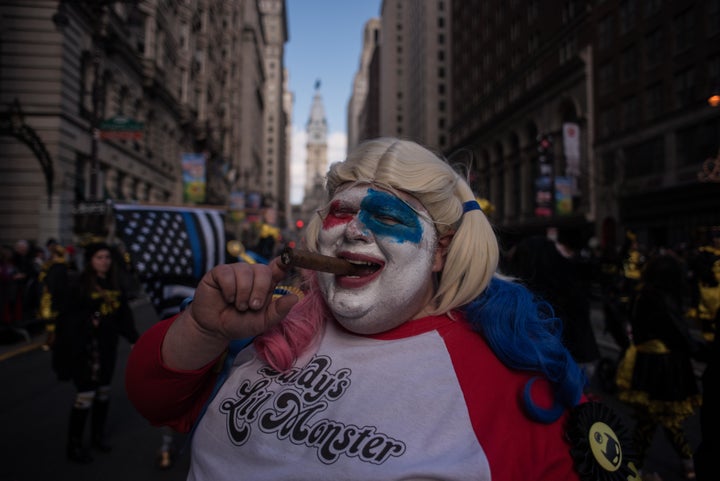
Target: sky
(325, 40)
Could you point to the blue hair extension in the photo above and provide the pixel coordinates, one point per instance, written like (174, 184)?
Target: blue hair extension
(524, 334)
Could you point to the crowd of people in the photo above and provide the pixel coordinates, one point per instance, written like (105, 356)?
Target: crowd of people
(22, 267)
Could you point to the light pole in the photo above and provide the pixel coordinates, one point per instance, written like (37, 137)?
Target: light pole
(61, 20)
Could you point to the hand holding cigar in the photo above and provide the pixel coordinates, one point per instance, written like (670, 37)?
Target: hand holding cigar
(317, 262)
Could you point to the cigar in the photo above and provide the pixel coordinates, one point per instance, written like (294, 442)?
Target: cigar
(317, 262)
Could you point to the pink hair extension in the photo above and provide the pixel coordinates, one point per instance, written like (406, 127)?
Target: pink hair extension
(281, 345)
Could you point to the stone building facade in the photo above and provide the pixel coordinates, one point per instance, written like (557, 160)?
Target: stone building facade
(194, 75)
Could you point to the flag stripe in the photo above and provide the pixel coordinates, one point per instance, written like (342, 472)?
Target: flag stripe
(171, 248)
(194, 243)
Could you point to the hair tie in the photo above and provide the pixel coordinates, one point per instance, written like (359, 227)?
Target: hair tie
(471, 205)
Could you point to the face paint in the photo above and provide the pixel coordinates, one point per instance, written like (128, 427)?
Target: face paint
(384, 233)
(388, 216)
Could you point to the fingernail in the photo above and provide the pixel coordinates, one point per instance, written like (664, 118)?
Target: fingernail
(256, 303)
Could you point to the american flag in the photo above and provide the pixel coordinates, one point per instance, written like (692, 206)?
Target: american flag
(171, 248)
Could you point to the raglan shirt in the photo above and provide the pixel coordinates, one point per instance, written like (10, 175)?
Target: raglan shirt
(426, 400)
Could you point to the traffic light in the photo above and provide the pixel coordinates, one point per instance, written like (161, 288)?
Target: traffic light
(299, 224)
(545, 154)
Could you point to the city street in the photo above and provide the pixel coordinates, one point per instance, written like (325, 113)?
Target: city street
(34, 408)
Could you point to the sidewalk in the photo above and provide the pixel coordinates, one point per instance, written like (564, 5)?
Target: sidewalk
(14, 340)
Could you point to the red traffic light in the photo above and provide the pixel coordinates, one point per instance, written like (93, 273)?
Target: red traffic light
(299, 224)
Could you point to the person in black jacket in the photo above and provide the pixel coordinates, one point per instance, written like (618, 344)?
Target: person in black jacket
(89, 324)
(538, 263)
(656, 376)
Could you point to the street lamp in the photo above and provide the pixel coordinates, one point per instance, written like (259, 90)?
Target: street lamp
(61, 20)
(714, 98)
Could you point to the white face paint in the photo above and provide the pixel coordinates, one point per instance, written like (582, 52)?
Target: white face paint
(368, 225)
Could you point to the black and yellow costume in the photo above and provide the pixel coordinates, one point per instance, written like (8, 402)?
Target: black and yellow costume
(91, 316)
(656, 375)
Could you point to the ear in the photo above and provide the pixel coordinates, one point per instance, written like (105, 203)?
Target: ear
(441, 251)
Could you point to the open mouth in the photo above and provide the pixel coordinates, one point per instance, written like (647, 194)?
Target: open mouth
(364, 268)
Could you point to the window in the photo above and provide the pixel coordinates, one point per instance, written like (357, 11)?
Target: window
(683, 26)
(697, 143)
(684, 83)
(606, 32)
(627, 16)
(653, 101)
(651, 7)
(607, 122)
(629, 64)
(630, 112)
(646, 158)
(654, 51)
(606, 78)
(713, 17)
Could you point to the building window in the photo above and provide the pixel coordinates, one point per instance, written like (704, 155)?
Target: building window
(684, 83)
(646, 158)
(652, 7)
(627, 16)
(607, 122)
(606, 78)
(629, 64)
(532, 10)
(713, 17)
(683, 26)
(608, 168)
(697, 143)
(653, 101)
(654, 51)
(606, 32)
(630, 114)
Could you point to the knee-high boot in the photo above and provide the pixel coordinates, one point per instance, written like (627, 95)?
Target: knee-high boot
(76, 452)
(99, 418)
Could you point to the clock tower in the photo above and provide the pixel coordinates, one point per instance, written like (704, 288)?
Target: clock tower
(317, 158)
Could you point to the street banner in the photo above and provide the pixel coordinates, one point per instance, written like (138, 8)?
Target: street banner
(563, 195)
(543, 196)
(193, 169)
(571, 148)
(170, 248)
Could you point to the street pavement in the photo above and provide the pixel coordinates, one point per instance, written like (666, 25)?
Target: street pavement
(34, 407)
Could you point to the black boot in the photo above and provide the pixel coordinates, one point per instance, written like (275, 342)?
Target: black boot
(75, 450)
(99, 418)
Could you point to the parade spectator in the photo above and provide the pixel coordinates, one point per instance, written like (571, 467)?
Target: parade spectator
(54, 279)
(89, 324)
(540, 265)
(656, 375)
(421, 365)
(7, 285)
(24, 301)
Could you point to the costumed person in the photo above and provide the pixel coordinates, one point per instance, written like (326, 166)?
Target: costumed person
(656, 375)
(707, 455)
(53, 278)
(88, 328)
(418, 361)
(269, 235)
(537, 262)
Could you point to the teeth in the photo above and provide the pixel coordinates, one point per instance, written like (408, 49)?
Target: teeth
(361, 263)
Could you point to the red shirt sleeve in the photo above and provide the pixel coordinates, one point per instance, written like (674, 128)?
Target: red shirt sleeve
(164, 396)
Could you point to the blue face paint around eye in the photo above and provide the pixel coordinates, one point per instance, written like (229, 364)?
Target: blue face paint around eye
(387, 216)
